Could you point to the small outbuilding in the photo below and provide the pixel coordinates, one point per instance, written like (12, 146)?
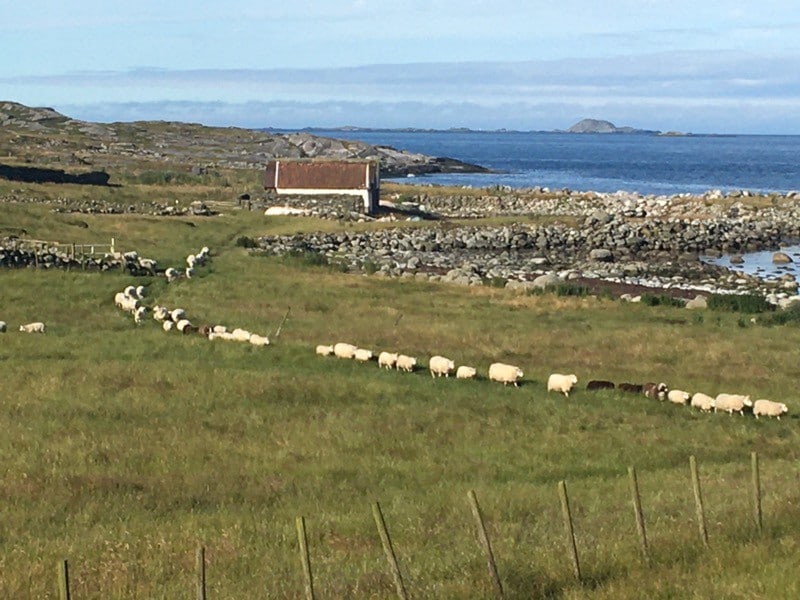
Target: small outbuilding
(325, 177)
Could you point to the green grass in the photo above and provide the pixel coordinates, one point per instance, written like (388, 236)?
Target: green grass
(125, 447)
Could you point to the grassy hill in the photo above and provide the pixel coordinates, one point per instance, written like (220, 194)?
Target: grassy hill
(127, 446)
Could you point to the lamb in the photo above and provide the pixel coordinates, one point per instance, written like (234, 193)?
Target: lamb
(561, 383)
(220, 329)
(168, 325)
(439, 365)
(655, 391)
(465, 372)
(323, 350)
(241, 335)
(220, 335)
(732, 403)
(191, 260)
(139, 314)
(678, 396)
(160, 313)
(259, 340)
(387, 359)
(171, 274)
(363, 355)
(3, 326)
(702, 401)
(35, 327)
(505, 373)
(343, 350)
(177, 314)
(596, 384)
(405, 363)
(768, 408)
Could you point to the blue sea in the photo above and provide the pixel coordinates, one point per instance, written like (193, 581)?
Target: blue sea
(644, 163)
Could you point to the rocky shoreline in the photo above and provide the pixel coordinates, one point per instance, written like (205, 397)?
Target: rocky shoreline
(654, 242)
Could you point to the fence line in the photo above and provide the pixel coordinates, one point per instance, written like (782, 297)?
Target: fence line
(72, 248)
(380, 521)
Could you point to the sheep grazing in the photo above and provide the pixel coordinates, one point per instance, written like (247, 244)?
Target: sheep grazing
(168, 325)
(139, 314)
(140, 291)
(405, 363)
(732, 403)
(35, 327)
(241, 335)
(160, 313)
(177, 314)
(220, 335)
(702, 401)
(182, 324)
(259, 340)
(171, 274)
(205, 330)
(387, 359)
(768, 408)
(633, 388)
(465, 372)
(343, 350)
(598, 384)
(439, 365)
(657, 391)
(3, 326)
(505, 374)
(323, 350)
(678, 397)
(191, 261)
(561, 383)
(190, 329)
(220, 329)
(189, 272)
(363, 355)
(130, 291)
(148, 264)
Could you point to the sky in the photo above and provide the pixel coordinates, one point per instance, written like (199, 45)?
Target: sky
(698, 66)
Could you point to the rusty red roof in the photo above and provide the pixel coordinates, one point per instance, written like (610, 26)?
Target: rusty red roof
(323, 175)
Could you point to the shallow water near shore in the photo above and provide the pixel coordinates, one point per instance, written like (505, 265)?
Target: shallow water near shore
(760, 263)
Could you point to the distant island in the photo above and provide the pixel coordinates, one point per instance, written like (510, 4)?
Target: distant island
(583, 126)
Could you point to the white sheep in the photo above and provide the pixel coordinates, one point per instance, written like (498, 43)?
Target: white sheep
(702, 401)
(221, 335)
(678, 396)
(168, 325)
(344, 350)
(561, 383)
(183, 324)
(130, 291)
(439, 365)
(177, 314)
(140, 291)
(189, 272)
(323, 350)
(505, 373)
(259, 340)
(148, 264)
(405, 363)
(241, 335)
(768, 408)
(119, 299)
(465, 372)
(732, 403)
(220, 329)
(3, 326)
(363, 355)
(387, 359)
(191, 260)
(160, 313)
(171, 274)
(35, 327)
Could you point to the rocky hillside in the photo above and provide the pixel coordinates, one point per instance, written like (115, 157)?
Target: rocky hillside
(48, 138)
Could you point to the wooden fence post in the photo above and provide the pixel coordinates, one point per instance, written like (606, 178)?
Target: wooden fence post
(389, 551)
(756, 491)
(305, 560)
(200, 572)
(698, 501)
(484, 540)
(63, 580)
(571, 545)
(637, 511)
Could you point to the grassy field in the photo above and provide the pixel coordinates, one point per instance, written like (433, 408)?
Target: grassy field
(124, 447)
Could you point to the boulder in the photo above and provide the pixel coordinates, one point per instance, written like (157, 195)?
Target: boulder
(601, 255)
(698, 302)
(546, 280)
(781, 258)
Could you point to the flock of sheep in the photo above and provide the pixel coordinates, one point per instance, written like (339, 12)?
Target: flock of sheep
(130, 300)
(440, 366)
